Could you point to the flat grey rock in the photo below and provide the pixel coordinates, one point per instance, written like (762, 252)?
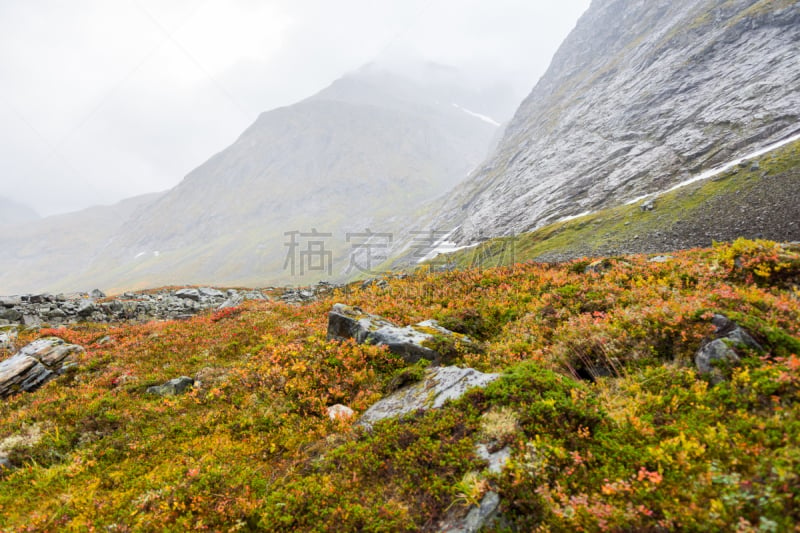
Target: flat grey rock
(439, 386)
(412, 343)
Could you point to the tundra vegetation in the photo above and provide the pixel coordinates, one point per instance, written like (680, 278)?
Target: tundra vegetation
(609, 422)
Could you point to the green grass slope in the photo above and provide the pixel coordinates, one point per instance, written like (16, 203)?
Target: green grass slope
(651, 447)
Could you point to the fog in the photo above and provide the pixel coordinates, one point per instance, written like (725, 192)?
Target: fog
(102, 100)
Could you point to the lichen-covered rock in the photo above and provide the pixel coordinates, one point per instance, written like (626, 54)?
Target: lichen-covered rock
(35, 364)
(412, 343)
(172, 387)
(438, 386)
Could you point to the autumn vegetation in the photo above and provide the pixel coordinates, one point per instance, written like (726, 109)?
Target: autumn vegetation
(610, 425)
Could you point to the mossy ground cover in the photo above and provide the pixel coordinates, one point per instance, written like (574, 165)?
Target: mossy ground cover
(610, 426)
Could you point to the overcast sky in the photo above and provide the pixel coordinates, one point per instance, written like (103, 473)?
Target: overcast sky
(106, 99)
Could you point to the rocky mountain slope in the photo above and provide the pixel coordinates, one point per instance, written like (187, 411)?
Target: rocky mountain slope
(758, 198)
(361, 155)
(640, 96)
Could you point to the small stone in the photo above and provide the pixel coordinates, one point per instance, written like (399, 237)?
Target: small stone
(172, 387)
(340, 412)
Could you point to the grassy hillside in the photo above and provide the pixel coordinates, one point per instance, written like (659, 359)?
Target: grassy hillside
(652, 446)
(760, 199)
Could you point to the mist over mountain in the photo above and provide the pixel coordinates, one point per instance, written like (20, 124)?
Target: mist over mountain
(640, 96)
(12, 212)
(361, 155)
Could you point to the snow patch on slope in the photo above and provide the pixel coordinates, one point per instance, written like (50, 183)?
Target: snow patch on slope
(485, 118)
(716, 170)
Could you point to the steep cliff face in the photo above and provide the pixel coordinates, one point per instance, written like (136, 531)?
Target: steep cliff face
(641, 95)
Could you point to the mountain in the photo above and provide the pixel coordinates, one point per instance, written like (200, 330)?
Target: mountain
(44, 253)
(360, 156)
(640, 96)
(12, 212)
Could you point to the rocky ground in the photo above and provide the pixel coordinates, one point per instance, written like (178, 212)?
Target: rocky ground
(34, 310)
(765, 208)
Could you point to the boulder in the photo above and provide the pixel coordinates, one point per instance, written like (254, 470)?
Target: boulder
(211, 293)
(10, 314)
(35, 364)
(716, 351)
(728, 329)
(722, 349)
(10, 301)
(97, 294)
(412, 343)
(234, 300)
(86, 308)
(438, 386)
(172, 387)
(189, 294)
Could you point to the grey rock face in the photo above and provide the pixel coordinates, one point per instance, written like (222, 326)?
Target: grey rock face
(172, 387)
(439, 385)
(640, 96)
(35, 364)
(412, 343)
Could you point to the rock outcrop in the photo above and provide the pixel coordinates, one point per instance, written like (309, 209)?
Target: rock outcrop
(37, 309)
(36, 364)
(412, 343)
(439, 385)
